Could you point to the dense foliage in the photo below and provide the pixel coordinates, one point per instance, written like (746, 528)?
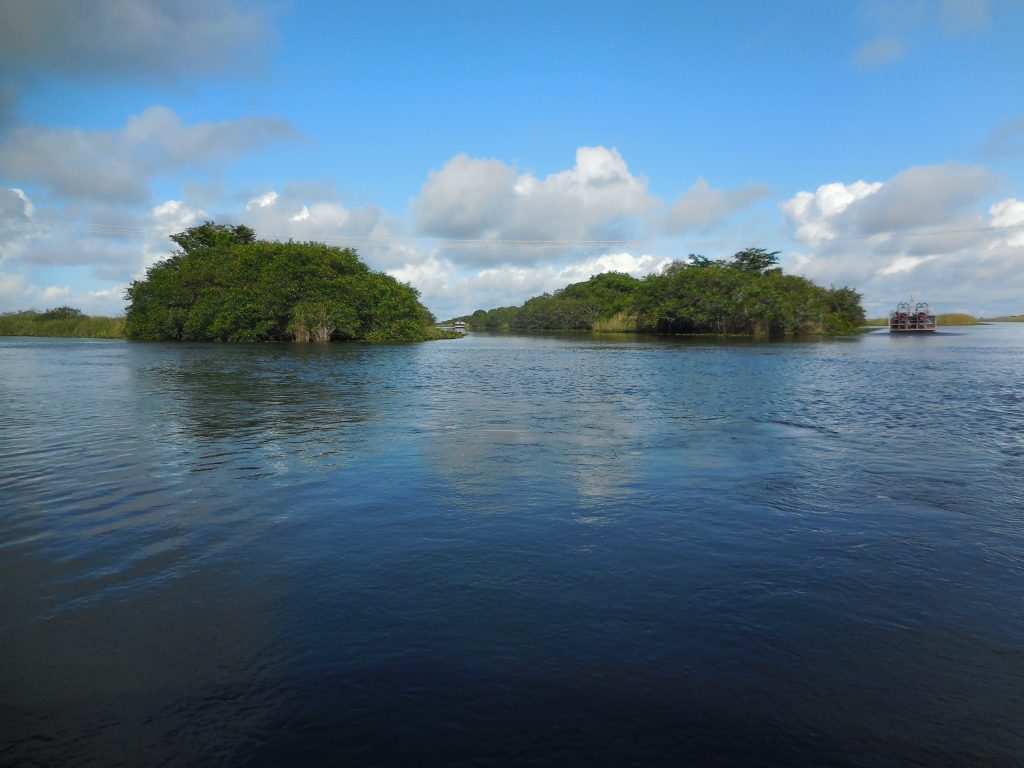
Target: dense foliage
(747, 295)
(60, 321)
(225, 285)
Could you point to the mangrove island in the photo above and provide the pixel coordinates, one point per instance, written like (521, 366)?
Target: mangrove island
(225, 285)
(747, 295)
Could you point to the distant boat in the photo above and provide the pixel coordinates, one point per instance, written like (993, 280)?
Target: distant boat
(460, 325)
(912, 319)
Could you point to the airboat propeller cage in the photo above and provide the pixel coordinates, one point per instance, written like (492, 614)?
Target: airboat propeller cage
(912, 319)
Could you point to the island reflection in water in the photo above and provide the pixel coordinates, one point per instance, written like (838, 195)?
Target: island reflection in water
(560, 550)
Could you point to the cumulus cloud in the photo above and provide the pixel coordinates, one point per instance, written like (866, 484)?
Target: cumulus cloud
(916, 197)
(1009, 215)
(815, 213)
(98, 250)
(262, 201)
(928, 230)
(118, 165)
(15, 216)
(467, 198)
(487, 199)
(16, 211)
(450, 291)
(130, 38)
(923, 196)
(701, 207)
(54, 292)
(15, 207)
(166, 219)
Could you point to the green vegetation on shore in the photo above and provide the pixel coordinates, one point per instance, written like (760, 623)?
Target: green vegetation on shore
(225, 285)
(61, 321)
(955, 318)
(747, 295)
(1005, 319)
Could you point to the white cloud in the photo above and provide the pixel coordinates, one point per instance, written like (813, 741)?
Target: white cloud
(815, 213)
(16, 211)
(917, 197)
(115, 292)
(118, 165)
(904, 264)
(165, 219)
(486, 199)
(450, 292)
(53, 292)
(12, 287)
(701, 207)
(920, 196)
(262, 201)
(1009, 213)
(15, 206)
(131, 38)
(635, 265)
(467, 198)
(928, 231)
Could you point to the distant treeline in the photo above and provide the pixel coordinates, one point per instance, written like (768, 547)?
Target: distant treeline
(746, 295)
(225, 285)
(60, 321)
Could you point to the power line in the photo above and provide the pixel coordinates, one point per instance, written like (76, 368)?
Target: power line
(469, 243)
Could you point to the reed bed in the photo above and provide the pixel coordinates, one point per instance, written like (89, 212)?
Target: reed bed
(956, 318)
(621, 322)
(31, 323)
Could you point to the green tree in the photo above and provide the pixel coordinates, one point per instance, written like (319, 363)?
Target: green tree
(223, 284)
(62, 313)
(755, 260)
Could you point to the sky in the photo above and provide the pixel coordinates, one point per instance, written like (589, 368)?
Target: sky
(486, 152)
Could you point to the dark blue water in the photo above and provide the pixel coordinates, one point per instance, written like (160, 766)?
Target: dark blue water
(514, 550)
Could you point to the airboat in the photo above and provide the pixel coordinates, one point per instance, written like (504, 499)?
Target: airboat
(908, 318)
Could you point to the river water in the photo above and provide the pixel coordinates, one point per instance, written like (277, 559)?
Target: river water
(540, 550)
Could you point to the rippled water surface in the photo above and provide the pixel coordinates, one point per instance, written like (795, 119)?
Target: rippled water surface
(528, 550)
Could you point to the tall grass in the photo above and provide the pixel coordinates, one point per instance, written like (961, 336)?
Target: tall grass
(32, 323)
(622, 322)
(956, 318)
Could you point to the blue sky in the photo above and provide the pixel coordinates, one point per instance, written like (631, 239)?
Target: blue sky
(489, 151)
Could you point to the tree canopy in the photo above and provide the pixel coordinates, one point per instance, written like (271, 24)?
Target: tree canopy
(747, 295)
(223, 284)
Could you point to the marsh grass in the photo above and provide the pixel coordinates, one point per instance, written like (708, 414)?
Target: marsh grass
(32, 323)
(956, 318)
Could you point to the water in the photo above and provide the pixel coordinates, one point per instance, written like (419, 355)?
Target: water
(526, 550)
